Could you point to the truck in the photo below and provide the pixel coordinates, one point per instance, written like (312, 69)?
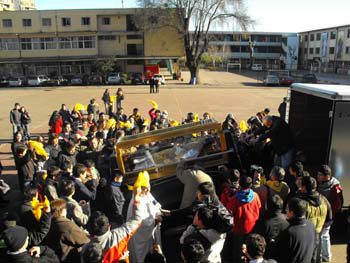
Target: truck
(319, 117)
(151, 70)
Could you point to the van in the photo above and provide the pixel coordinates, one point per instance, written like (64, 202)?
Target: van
(257, 67)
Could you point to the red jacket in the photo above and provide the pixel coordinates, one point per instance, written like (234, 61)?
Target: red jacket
(245, 210)
(57, 127)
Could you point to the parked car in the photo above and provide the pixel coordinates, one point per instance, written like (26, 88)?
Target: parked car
(76, 80)
(16, 82)
(95, 80)
(4, 82)
(309, 78)
(38, 80)
(160, 78)
(114, 78)
(138, 78)
(257, 67)
(57, 81)
(271, 80)
(286, 81)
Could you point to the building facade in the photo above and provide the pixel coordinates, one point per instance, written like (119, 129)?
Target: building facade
(271, 50)
(326, 50)
(69, 42)
(12, 5)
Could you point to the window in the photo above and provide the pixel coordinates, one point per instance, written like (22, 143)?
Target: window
(27, 22)
(331, 50)
(85, 21)
(7, 23)
(312, 37)
(46, 21)
(77, 42)
(318, 36)
(106, 37)
(9, 44)
(347, 50)
(44, 43)
(106, 20)
(333, 34)
(234, 48)
(66, 21)
(305, 38)
(134, 50)
(134, 37)
(311, 51)
(130, 23)
(317, 50)
(26, 44)
(305, 50)
(348, 33)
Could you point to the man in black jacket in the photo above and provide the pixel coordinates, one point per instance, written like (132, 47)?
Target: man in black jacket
(296, 243)
(15, 118)
(16, 240)
(272, 223)
(276, 129)
(25, 166)
(81, 191)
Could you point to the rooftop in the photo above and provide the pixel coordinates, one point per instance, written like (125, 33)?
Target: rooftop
(333, 92)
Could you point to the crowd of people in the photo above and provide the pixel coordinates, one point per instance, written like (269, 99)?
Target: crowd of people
(262, 207)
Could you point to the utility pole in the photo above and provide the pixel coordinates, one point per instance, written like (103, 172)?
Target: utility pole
(122, 3)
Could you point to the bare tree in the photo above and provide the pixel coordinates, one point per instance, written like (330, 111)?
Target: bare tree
(199, 15)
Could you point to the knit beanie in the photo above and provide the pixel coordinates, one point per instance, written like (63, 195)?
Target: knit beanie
(15, 237)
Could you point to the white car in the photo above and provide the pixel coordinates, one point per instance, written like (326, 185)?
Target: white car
(257, 67)
(114, 78)
(15, 82)
(160, 78)
(271, 80)
(38, 80)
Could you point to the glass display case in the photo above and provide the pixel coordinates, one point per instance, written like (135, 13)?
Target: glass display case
(160, 151)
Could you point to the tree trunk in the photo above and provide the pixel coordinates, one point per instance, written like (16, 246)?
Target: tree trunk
(194, 70)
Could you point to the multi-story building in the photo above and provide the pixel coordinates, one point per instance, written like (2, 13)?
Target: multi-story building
(272, 50)
(326, 50)
(12, 5)
(69, 42)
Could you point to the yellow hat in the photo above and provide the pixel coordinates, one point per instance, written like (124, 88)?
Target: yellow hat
(79, 107)
(37, 206)
(243, 126)
(111, 123)
(154, 104)
(38, 147)
(142, 180)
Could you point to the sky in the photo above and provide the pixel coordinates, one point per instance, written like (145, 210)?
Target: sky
(269, 15)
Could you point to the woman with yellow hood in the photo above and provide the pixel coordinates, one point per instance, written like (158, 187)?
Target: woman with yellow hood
(149, 231)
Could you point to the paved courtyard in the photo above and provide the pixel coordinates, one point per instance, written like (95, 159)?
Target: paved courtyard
(219, 94)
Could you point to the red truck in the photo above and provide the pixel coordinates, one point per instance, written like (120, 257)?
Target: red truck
(151, 70)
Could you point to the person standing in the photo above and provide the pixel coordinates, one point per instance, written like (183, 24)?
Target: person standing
(15, 118)
(149, 232)
(120, 97)
(282, 109)
(106, 98)
(151, 85)
(157, 84)
(281, 137)
(246, 211)
(65, 114)
(296, 243)
(93, 108)
(330, 188)
(25, 121)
